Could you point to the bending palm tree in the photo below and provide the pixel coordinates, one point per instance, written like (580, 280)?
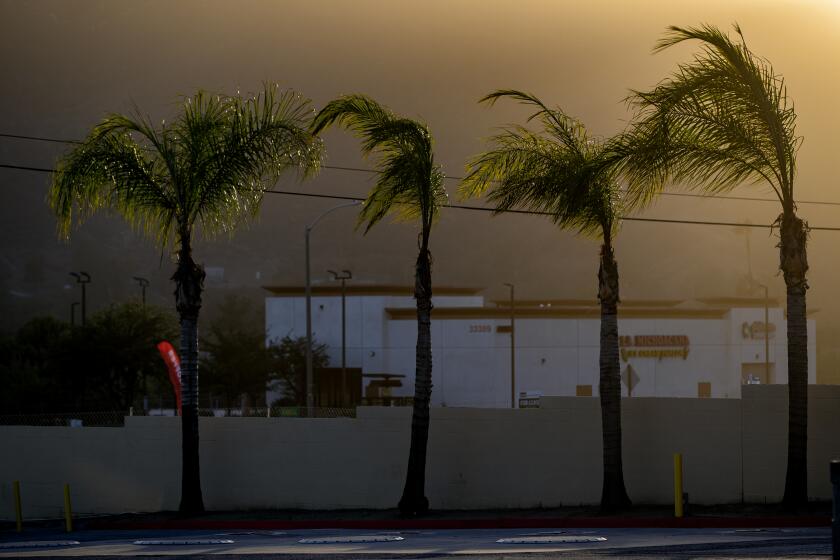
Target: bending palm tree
(410, 185)
(207, 169)
(718, 121)
(567, 175)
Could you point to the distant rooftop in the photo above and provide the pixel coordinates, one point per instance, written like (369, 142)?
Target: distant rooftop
(368, 290)
(698, 308)
(726, 302)
(554, 312)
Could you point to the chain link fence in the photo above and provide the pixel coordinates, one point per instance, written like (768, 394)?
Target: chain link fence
(281, 412)
(66, 419)
(116, 418)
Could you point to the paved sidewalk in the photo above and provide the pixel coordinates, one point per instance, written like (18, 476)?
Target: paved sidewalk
(468, 523)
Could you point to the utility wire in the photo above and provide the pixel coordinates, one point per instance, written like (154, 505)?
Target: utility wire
(26, 168)
(38, 138)
(536, 213)
(484, 209)
(458, 178)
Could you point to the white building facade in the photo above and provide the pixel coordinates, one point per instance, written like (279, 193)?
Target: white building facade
(705, 348)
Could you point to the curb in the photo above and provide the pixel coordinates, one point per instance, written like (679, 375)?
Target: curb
(498, 523)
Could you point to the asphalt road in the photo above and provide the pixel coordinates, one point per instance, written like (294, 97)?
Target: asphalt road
(486, 544)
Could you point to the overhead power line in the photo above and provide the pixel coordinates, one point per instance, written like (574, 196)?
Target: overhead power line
(485, 209)
(26, 168)
(459, 178)
(38, 138)
(536, 213)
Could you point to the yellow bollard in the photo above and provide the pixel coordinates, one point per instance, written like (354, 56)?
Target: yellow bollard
(68, 512)
(18, 508)
(678, 485)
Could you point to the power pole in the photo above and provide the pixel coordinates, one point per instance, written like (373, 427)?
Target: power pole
(310, 375)
(512, 347)
(82, 278)
(144, 283)
(344, 276)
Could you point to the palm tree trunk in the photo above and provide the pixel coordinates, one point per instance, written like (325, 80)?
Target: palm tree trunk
(414, 501)
(613, 493)
(189, 279)
(794, 265)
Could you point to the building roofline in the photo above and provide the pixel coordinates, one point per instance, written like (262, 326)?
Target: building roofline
(740, 301)
(536, 308)
(367, 290)
(520, 303)
(409, 313)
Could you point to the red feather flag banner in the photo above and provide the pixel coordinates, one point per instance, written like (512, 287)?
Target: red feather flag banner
(173, 364)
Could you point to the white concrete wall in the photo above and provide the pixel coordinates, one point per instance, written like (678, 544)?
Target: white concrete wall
(478, 458)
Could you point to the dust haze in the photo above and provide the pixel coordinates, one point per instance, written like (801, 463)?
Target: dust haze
(68, 63)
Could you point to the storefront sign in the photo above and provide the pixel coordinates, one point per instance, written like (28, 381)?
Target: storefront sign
(653, 346)
(529, 399)
(756, 330)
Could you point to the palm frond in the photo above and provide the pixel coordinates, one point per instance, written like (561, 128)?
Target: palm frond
(358, 113)
(566, 129)
(560, 171)
(409, 184)
(718, 121)
(110, 170)
(258, 139)
(210, 167)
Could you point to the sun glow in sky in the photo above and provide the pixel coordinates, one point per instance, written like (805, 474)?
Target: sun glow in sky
(67, 61)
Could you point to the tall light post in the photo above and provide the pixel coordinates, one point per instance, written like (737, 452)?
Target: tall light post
(344, 276)
(310, 379)
(144, 283)
(512, 348)
(82, 278)
(766, 333)
(73, 313)
(753, 285)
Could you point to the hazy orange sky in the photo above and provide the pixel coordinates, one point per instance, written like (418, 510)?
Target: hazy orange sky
(67, 63)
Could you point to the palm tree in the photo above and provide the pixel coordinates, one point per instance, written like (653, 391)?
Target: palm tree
(719, 121)
(410, 185)
(567, 175)
(207, 170)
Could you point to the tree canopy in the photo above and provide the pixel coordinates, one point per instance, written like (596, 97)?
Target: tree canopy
(561, 170)
(409, 183)
(719, 121)
(208, 167)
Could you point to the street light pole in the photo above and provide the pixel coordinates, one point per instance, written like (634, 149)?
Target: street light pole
(512, 348)
(73, 313)
(82, 278)
(756, 284)
(144, 283)
(310, 379)
(766, 336)
(344, 276)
